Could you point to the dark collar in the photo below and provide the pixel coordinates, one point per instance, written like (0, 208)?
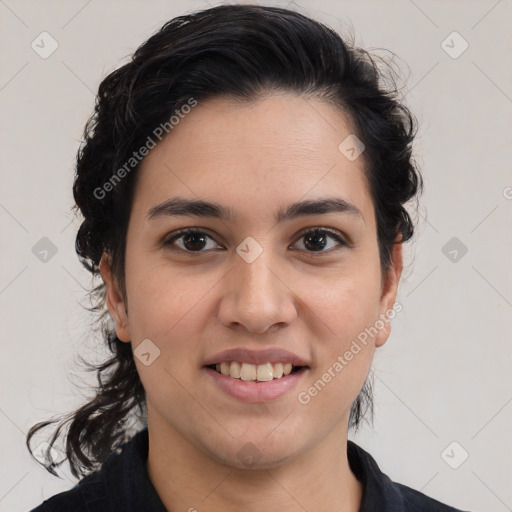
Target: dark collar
(125, 484)
(127, 479)
(379, 492)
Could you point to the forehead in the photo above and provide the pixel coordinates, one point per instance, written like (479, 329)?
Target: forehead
(254, 157)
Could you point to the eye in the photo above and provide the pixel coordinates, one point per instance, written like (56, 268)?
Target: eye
(192, 240)
(315, 240)
(195, 241)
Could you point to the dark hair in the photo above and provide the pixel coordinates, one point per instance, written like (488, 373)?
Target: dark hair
(237, 51)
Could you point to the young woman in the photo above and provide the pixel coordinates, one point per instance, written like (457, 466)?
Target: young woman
(242, 185)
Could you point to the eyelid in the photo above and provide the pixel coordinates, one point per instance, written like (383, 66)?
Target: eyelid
(342, 239)
(170, 238)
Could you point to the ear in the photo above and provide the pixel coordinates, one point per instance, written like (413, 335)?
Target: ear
(389, 291)
(114, 298)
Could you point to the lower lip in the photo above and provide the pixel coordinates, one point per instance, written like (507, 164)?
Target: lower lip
(253, 391)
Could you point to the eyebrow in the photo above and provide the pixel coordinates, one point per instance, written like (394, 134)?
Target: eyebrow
(181, 207)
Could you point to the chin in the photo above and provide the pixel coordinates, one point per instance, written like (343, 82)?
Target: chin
(250, 457)
(255, 452)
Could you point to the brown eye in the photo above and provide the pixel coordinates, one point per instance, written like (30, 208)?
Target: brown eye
(191, 241)
(316, 240)
(194, 241)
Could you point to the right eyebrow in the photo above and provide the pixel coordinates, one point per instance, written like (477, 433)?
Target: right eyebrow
(182, 207)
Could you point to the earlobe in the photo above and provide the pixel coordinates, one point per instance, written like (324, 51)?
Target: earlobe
(114, 299)
(389, 291)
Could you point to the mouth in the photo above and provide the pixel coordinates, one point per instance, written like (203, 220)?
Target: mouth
(255, 376)
(255, 372)
(252, 383)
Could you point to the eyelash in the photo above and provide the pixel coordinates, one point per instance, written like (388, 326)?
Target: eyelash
(332, 234)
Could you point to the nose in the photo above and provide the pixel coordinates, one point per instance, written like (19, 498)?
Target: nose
(257, 296)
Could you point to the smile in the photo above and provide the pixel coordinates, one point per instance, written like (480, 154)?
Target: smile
(254, 372)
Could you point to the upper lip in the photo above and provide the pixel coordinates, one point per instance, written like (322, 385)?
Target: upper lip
(269, 355)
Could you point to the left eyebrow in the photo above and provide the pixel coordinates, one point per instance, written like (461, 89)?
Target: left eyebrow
(181, 207)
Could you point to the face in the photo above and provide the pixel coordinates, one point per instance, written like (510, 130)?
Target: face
(265, 287)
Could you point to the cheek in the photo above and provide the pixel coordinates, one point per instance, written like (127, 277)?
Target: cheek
(344, 302)
(342, 311)
(169, 304)
(171, 307)
(166, 307)
(343, 350)
(162, 301)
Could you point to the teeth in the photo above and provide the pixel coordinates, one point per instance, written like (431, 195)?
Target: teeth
(278, 370)
(234, 369)
(224, 368)
(247, 371)
(264, 372)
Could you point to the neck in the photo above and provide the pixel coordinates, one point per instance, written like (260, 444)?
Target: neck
(186, 478)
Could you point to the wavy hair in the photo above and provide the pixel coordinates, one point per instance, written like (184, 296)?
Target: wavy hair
(236, 51)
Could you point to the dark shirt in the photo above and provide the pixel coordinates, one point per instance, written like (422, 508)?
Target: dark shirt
(123, 484)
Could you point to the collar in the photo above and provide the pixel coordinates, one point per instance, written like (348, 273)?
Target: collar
(125, 483)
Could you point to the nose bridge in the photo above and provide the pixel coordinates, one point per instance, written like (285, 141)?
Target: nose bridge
(257, 276)
(257, 296)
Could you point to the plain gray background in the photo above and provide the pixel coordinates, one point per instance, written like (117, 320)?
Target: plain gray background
(443, 377)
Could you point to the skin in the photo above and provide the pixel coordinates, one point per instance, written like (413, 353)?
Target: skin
(255, 159)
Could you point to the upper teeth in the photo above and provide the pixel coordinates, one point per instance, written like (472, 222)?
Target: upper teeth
(260, 372)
